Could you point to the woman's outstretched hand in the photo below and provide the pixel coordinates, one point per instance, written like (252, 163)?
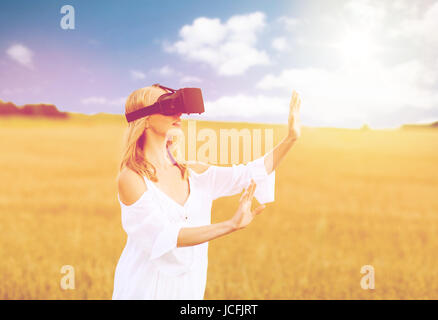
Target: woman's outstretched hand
(244, 215)
(294, 117)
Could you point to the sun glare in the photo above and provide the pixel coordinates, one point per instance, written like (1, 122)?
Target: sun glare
(356, 47)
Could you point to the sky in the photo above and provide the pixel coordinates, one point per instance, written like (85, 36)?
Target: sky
(353, 62)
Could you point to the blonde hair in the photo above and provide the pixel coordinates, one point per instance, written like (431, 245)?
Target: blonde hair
(133, 154)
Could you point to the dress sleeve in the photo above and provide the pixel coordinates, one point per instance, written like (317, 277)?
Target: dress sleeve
(227, 181)
(145, 224)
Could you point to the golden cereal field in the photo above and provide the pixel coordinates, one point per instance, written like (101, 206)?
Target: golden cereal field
(344, 199)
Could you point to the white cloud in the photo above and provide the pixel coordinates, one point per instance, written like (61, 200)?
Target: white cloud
(99, 100)
(248, 107)
(227, 47)
(190, 79)
(365, 12)
(358, 94)
(163, 71)
(166, 70)
(21, 54)
(94, 100)
(368, 61)
(288, 22)
(137, 75)
(420, 28)
(393, 25)
(279, 43)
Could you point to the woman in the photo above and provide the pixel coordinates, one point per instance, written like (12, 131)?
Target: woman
(166, 205)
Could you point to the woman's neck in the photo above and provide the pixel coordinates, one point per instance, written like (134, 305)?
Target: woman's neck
(156, 150)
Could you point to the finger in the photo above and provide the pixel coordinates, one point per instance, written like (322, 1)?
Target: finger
(248, 196)
(250, 187)
(259, 209)
(245, 197)
(244, 194)
(293, 107)
(296, 106)
(294, 93)
(294, 97)
(248, 192)
(296, 111)
(251, 195)
(241, 197)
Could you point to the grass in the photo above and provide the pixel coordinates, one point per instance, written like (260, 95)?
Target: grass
(344, 199)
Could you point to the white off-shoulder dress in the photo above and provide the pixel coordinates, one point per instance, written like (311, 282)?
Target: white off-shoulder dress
(151, 266)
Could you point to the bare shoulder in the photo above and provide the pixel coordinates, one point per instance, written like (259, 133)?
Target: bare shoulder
(198, 167)
(131, 186)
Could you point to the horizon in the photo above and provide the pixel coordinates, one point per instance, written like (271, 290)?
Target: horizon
(200, 119)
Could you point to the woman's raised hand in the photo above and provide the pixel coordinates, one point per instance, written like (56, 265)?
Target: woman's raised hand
(244, 215)
(294, 116)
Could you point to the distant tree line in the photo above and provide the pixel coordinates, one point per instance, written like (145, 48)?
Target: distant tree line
(415, 126)
(40, 109)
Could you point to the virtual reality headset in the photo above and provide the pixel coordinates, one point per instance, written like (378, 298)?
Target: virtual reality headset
(185, 100)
